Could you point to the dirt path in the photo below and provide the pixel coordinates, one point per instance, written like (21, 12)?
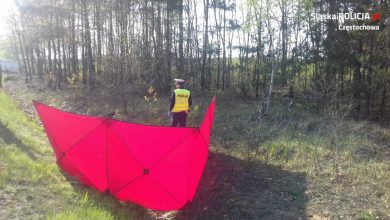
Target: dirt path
(23, 94)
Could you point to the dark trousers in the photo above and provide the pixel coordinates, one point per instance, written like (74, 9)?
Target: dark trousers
(179, 118)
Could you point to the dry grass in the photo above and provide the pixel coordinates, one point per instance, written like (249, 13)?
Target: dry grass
(289, 165)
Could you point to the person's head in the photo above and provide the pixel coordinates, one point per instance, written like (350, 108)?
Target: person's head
(179, 83)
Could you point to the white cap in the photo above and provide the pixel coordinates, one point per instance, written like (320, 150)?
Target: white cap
(180, 81)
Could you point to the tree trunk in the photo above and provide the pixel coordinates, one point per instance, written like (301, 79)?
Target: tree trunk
(88, 42)
(59, 65)
(181, 39)
(205, 43)
(39, 62)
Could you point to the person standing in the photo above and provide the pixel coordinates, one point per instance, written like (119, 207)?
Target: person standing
(180, 103)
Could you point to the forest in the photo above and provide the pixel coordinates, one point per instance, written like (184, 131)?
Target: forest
(257, 49)
(302, 87)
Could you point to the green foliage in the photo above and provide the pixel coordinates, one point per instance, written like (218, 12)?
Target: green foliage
(88, 213)
(75, 82)
(152, 107)
(195, 116)
(283, 150)
(365, 215)
(151, 99)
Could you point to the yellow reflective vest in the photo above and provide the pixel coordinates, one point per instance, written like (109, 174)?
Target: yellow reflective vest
(181, 100)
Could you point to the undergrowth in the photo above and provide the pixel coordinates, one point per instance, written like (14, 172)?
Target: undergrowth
(346, 163)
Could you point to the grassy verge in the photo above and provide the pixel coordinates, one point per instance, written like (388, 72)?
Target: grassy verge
(291, 164)
(32, 186)
(346, 163)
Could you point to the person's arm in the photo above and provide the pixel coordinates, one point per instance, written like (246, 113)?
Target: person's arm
(172, 101)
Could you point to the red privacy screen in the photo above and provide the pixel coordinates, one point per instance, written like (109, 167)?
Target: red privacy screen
(156, 167)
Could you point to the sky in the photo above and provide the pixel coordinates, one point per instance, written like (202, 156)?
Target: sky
(5, 8)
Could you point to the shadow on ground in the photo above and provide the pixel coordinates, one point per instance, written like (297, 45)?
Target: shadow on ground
(9, 138)
(235, 189)
(230, 189)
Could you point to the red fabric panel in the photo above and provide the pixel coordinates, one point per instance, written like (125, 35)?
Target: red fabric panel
(65, 129)
(89, 156)
(149, 144)
(207, 124)
(199, 153)
(69, 168)
(123, 167)
(146, 192)
(156, 167)
(172, 172)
